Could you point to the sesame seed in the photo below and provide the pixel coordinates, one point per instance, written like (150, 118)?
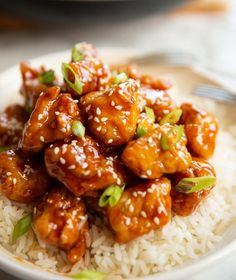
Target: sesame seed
(104, 119)
(87, 172)
(57, 113)
(98, 111)
(99, 128)
(143, 214)
(90, 118)
(71, 167)
(131, 208)
(156, 220)
(8, 173)
(118, 107)
(41, 138)
(56, 150)
(85, 165)
(135, 194)
(96, 119)
(99, 173)
(109, 141)
(88, 108)
(40, 116)
(63, 129)
(127, 221)
(62, 160)
(113, 103)
(149, 172)
(14, 181)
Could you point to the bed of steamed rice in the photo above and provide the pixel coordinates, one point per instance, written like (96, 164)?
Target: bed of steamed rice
(183, 239)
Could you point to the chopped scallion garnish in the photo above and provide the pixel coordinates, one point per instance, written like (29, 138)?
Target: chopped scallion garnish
(89, 275)
(190, 185)
(150, 113)
(22, 226)
(111, 196)
(76, 85)
(3, 149)
(78, 129)
(178, 130)
(171, 118)
(77, 52)
(120, 78)
(141, 131)
(47, 77)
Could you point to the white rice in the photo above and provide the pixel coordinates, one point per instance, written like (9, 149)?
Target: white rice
(183, 239)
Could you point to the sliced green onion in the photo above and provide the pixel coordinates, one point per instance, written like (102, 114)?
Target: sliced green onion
(141, 131)
(111, 196)
(150, 113)
(76, 85)
(171, 118)
(89, 275)
(77, 52)
(120, 78)
(179, 129)
(3, 149)
(22, 226)
(78, 129)
(47, 77)
(190, 185)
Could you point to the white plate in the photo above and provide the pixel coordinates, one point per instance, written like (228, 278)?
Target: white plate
(185, 80)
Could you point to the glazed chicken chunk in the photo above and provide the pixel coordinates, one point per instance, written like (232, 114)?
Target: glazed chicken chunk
(140, 209)
(60, 220)
(50, 121)
(185, 204)
(80, 166)
(22, 180)
(147, 158)
(113, 114)
(85, 76)
(12, 122)
(31, 84)
(201, 129)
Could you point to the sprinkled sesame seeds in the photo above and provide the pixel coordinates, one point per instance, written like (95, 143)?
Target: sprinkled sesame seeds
(131, 208)
(63, 129)
(110, 141)
(127, 221)
(118, 107)
(143, 214)
(8, 173)
(85, 165)
(62, 160)
(98, 111)
(71, 167)
(99, 128)
(113, 103)
(96, 119)
(56, 150)
(156, 220)
(57, 113)
(41, 138)
(90, 117)
(104, 119)
(14, 181)
(40, 116)
(149, 172)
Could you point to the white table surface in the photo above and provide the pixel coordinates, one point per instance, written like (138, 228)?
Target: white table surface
(211, 37)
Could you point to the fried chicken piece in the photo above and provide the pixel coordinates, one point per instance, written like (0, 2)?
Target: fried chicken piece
(160, 101)
(31, 86)
(145, 80)
(60, 220)
(185, 204)
(113, 114)
(50, 121)
(85, 76)
(22, 180)
(81, 167)
(146, 157)
(201, 129)
(141, 209)
(84, 51)
(12, 121)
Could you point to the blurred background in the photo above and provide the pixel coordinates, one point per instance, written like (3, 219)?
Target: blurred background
(204, 28)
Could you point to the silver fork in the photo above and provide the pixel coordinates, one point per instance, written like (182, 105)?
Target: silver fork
(167, 58)
(216, 93)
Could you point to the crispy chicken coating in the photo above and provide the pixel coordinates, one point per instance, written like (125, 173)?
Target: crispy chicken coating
(60, 220)
(147, 159)
(185, 204)
(160, 101)
(113, 114)
(81, 167)
(31, 86)
(50, 121)
(140, 209)
(201, 129)
(91, 75)
(22, 180)
(12, 122)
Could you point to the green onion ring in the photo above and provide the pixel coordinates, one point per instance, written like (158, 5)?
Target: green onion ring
(171, 118)
(150, 113)
(111, 195)
(77, 52)
(120, 78)
(141, 131)
(22, 226)
(78, 129)
(47, 77)
(179, 129)
(77, 85)
(89, 275)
